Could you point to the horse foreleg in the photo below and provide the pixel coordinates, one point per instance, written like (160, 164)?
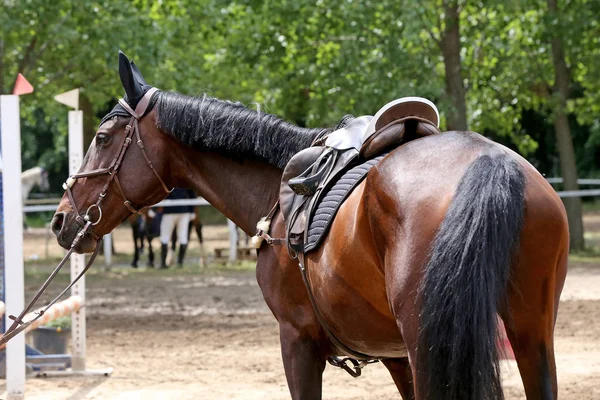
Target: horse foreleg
(136, 255)
(198, 226)
(402, 375)
(303, 362)
(150, 252)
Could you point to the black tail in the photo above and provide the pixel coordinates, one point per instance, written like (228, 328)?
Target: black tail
(465, 283)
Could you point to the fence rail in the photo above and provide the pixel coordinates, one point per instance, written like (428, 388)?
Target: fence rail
(35, 206)
(179, 202)
(579, 193)
(579, 181)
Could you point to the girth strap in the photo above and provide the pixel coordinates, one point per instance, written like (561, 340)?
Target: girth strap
(353, 364)
(358, 359)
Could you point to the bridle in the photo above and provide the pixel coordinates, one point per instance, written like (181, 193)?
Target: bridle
(85, 221)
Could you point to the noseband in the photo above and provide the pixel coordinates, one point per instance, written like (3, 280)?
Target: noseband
(85, 221)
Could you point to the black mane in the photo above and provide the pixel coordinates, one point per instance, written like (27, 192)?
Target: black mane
(206, 123)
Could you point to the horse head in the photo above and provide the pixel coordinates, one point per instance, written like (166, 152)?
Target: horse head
(125, 168)
(43, 182)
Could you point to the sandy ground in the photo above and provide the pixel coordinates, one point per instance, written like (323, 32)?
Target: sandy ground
(208, 335)
(39, 244)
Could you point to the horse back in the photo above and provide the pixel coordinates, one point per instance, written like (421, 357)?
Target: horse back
(371, 262)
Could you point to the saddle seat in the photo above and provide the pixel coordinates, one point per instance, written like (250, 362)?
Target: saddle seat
(311, 171)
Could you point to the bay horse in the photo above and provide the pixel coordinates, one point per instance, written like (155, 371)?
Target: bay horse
(445, 233)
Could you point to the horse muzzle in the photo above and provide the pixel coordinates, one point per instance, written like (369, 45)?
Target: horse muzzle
(66, 230)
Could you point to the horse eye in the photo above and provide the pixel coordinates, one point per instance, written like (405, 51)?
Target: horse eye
(102, 139)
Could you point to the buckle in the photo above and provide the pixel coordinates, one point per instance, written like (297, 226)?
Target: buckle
(350, 365)
(354, 368)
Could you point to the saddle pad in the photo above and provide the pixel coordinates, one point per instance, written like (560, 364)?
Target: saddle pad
(332, 200)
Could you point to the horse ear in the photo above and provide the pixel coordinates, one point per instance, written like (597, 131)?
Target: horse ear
(133, 89)
(138, 75)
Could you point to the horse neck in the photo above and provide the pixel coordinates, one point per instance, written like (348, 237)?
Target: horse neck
(244, 191)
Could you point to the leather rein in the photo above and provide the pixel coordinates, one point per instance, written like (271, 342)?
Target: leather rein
(86, 221)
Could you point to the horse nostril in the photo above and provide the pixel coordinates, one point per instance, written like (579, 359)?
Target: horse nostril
(57, 223)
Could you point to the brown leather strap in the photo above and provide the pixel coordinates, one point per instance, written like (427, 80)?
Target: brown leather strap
(337, 343)
(87, 174)
(271, 240)
(126, 202)
(72, 201)
(273, 210)
(150, 164)
(143, 104)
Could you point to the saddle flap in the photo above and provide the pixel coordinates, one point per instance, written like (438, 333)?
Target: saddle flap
(307, 182)
(298, 164)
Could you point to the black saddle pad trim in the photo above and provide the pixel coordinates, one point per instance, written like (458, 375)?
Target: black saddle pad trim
(331, 201)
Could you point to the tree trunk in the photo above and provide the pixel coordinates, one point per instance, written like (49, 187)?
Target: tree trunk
(563, 134)
(450, 46)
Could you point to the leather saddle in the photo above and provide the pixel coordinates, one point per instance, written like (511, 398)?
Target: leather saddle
(357, 140)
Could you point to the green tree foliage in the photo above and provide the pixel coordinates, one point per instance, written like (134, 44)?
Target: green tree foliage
(61, 45)
(310, 61)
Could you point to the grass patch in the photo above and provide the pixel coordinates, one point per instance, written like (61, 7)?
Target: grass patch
(592, 205)
(36, 272)
(38, 219)
(211, 216)
(588, 255)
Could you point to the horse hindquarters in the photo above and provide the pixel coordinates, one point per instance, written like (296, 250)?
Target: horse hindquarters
(465, 283)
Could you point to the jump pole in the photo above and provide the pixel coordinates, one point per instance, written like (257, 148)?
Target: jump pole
(77, 260)
(78, 326)
(58, 310)
(10, 127)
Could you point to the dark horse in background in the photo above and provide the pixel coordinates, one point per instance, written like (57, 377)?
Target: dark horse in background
(145, 228)
(444, 234)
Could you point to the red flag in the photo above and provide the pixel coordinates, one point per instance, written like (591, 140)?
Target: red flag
(22, 86)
